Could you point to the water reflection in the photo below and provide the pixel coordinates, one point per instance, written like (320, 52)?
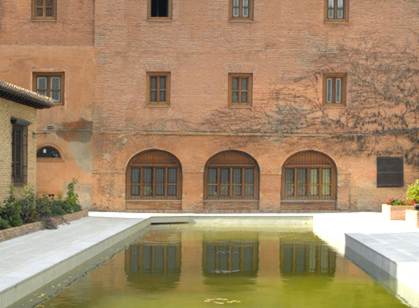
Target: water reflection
(230, 257)
(153, 262)
(306, 257)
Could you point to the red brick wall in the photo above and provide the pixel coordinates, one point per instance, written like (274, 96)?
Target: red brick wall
(287, 47)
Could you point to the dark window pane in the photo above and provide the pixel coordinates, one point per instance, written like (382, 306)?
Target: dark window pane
(212, 182)
(159, 8)
(289, 182)
(172, 182)
(301, 181)
(224, 181)
(48, 152)
(135, 181)
(237, 181)
(160, 179)
(249, 182)
(390, 172)
(148, 182)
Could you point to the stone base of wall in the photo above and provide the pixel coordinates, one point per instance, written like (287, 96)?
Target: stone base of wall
(412, 218)
(151, 205)
(10, 233)
(395, 212)
(216, 206)
(308, 206)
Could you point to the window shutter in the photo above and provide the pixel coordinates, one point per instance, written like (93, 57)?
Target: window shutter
(390, 172)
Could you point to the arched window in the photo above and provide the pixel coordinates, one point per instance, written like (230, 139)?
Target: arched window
(154, 175)
(231, 175)
(48, 152)
(309, 175)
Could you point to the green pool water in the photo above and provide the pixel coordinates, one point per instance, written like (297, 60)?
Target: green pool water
(186, 266)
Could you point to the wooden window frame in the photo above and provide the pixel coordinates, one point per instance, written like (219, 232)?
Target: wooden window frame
(44, 17)
(22, 168)
(241, 17)
(166, 103)
(345, 18)
(141, 185)
(335, 76)
(241, 76)
(401, 173)
(231, 196)
(307, 196)
(49, 75)
(160, 18)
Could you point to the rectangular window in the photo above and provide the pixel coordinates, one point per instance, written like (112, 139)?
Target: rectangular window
(44, 9)
(158, 88)
(334, 89)
(241, 9)
(390, 172)
(160, 8)
(19, 152)
(336, 10)
(240, 89)
(289, 182)
(51, 85)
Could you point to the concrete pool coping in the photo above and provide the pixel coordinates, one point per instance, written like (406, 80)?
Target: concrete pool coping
(62, 250)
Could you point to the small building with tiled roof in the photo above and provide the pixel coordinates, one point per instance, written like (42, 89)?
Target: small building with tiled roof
(18, 115)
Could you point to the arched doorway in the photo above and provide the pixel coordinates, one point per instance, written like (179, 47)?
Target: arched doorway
(309, 177)
(154, 175)
(231, 175)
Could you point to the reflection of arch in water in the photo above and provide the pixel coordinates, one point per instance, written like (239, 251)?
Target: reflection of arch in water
(152, 265)
(233, 257)
(306, 257)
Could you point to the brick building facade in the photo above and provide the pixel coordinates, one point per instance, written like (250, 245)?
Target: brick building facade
(221, 105)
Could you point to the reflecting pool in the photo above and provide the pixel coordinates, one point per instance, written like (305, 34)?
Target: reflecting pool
(186, 266)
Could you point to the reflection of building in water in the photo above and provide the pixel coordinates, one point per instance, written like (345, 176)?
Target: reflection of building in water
(156, 261)
(306, 257)
(230, 257)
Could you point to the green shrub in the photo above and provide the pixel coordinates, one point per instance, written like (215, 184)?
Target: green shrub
(413, 192)
(43, 206)
(4, 224)
(11, 211)
(16, 212)
(58, 208)
(72, 198)
(28, 206)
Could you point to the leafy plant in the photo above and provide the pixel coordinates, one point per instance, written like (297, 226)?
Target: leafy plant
(43, 206)
(413, 192)
(11, 211)
(58, 208)
(28, 206)
(4, 224)
(72, 198)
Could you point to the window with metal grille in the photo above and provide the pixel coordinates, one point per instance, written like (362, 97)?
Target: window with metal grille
(309, 175)
(51, 85)
(154, 175)
(44, 9)
(19, 151)
(231, 175)
(390, 172)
